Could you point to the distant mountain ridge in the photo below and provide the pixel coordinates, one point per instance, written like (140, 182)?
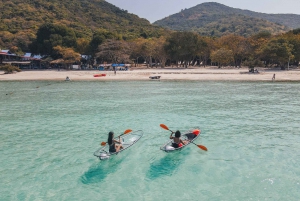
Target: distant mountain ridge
(289, 20)
(217, 19)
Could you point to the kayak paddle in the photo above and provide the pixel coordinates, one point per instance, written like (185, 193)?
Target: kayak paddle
(195, 132)
(165, 127)
(125, 132)
(200, 146)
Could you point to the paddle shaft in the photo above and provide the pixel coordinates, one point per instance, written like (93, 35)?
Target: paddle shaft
(125, 132)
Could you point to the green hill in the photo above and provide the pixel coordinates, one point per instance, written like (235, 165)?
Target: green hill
(20, 20)
(216, 19)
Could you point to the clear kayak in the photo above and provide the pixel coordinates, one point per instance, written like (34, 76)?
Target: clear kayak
(127, 141)
(188, 136)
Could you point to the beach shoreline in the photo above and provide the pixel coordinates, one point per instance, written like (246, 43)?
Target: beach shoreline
(136, 74)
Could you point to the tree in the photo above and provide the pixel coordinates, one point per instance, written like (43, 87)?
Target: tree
(8, 69)
(238, 45)
(68, 55)
(222, 56)
(159, 51)
(296, 31)
(294, 39)
(82, 45)
(136, 49)
(114, 51)
(252, 63)
(148, 50)
(182, 46)
(205, 46)
(52, 35)
(144, 48)
(99, 37)
(256, 42)
(14, 49)
(278, 50)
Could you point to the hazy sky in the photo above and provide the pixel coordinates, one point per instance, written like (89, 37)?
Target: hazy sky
(154, 10)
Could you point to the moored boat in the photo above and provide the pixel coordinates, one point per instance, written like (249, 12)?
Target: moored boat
(155, 77)
(99, 75)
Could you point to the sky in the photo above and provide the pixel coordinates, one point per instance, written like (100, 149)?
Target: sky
(154, 10)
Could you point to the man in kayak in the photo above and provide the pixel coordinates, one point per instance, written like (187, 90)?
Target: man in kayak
(177, 141)
(113, 147)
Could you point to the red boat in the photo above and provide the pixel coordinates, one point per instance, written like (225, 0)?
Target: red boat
(100, 75)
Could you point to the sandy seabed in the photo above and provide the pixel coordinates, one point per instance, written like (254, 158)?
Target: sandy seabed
(200, 74)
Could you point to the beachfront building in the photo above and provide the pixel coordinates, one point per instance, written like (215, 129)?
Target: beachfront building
(23, 62)
(6, 56)
(33, 61)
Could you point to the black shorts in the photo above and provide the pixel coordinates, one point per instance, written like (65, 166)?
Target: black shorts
(175, 145)
(112, 148)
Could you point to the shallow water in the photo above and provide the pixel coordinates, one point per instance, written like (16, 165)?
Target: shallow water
(49, 131)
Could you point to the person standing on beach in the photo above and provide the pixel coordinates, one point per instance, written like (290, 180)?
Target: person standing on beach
(273, 78)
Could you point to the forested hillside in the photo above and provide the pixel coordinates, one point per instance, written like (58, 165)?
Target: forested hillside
(20, 20)
(289, 20)
(214, 19)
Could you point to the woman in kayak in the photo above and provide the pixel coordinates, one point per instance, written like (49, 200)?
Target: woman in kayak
(177, 141)
(113, 147)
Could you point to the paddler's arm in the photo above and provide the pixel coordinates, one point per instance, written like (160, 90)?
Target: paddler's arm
(171, 137)
(118, 141)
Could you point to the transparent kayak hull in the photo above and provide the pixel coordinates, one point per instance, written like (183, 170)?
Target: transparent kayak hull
(187, 136)
(127, 141)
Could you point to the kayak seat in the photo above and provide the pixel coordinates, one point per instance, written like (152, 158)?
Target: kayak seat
(190, 136)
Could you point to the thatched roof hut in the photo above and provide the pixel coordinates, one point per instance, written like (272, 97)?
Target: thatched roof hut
(57, 61)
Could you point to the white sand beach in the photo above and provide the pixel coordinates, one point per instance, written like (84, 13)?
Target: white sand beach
(200, 73)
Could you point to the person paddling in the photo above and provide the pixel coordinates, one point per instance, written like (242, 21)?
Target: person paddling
(177, 141)
(113, 147)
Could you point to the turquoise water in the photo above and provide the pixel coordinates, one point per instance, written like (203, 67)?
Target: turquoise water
(49, 131)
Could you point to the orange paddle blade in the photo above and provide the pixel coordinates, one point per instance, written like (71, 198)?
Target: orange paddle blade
(202, 147)
(127, 131)
(103, 143)
(196, 132)
(164, 126)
